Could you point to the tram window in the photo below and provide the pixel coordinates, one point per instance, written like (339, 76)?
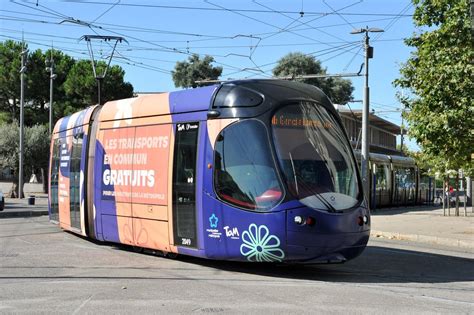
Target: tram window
(315, 157)
(244, 173)
(237, 96)
(381, 176)
(405, 177)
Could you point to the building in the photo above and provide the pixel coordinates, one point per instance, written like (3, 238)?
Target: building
(382, 133)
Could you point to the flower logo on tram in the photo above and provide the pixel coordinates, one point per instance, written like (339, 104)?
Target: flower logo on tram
(259, 246)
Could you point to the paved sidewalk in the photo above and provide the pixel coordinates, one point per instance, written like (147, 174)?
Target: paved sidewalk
(20, 207)
(426, 225)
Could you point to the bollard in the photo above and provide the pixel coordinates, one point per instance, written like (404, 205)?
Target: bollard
(31, 200)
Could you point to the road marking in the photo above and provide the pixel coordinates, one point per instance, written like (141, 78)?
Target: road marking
(82, 305)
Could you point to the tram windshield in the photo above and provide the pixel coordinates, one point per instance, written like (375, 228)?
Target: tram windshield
(315, 157)
(245, 173)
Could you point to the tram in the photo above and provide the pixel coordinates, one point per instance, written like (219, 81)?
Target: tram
(396, 181)
(255, 170)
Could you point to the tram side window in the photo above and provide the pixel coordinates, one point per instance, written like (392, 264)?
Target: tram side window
(405, 177)
(381, 178)
(410, 183)
(244, 172)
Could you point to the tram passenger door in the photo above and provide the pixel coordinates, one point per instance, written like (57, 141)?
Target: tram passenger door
(74, 181)
(54, 200)
(184, 184)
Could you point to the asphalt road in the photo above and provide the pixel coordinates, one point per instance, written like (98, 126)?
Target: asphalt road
(45, 270)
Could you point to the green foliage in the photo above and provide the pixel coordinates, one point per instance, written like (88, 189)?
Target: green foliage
(439, 75)
(81, 86)
(36, 147)
(295, 64)
(73, 89)
(186, 73)
(4, 117)
(10, 63)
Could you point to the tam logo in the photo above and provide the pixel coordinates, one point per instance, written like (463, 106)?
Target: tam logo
(231, 232)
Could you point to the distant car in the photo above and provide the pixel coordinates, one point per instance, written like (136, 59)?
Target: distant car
(2, 201)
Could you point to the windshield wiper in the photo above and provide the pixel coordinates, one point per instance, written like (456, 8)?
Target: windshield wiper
(323, 200)
(294, 174)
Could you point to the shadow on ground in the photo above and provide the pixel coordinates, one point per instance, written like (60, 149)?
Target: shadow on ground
(377, 264)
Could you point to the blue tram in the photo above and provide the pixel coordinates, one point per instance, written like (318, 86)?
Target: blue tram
(258, 171)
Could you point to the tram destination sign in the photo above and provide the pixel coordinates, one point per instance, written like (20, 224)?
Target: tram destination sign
(293, 121)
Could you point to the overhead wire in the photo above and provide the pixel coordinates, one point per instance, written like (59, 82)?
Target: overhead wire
(339, 14)
(394, 20)
(300, 22)
(263, 22)
(386, 28)
(308, 23)
(106, 11)
(91, 26)
(296, 25)
(142, 5)
(317, 53)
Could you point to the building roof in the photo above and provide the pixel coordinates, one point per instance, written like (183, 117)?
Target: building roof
(373, 119)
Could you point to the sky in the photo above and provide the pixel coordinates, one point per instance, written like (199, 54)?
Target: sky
(246, 38)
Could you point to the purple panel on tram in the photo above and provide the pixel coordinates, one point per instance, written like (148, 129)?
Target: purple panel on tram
(198, 99)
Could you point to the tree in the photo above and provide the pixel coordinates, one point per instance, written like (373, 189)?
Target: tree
(74, 87)
(36, 150)
(37, 91)
(186, 73)
(439, 77)
(81, 86)
(295, 64)
(10, 64)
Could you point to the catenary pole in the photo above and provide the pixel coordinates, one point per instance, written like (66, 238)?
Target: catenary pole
(366, 107)
(52, 76)
(24, 52)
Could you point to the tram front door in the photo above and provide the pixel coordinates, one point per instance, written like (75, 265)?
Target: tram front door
(184, 184)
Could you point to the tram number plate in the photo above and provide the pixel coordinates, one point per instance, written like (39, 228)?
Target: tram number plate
(186, 241)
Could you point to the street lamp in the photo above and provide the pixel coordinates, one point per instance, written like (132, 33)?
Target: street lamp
(52, 76)
(369, 53)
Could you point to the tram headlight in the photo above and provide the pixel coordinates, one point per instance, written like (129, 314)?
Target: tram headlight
(309, 221)
(299, 220)
(361, 220)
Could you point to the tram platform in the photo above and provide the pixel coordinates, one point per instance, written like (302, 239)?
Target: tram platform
(425, 224)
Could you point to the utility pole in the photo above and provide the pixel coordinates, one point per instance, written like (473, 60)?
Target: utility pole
(22, 105)
(401, 136)
(52, 76)
(369, 52)
(402, 127)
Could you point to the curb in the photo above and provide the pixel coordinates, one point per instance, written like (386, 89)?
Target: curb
(18, 214)
(424, 239)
